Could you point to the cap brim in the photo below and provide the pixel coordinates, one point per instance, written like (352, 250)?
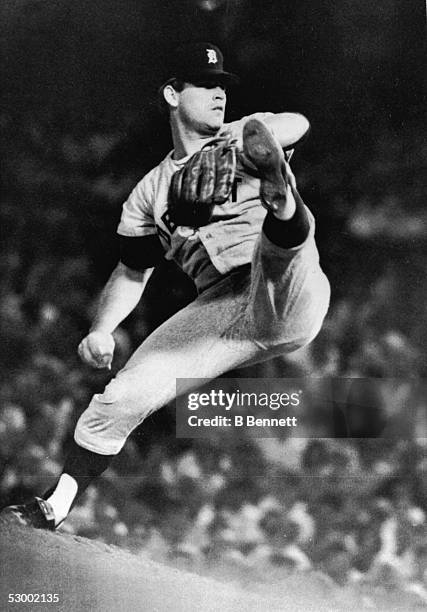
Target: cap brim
(228, 78)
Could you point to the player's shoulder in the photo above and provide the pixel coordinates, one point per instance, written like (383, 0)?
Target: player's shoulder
(159, 169)
(147, 184)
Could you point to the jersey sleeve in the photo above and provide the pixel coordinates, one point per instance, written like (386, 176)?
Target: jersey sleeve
(141, 252)
(140, 246)
(137, 217)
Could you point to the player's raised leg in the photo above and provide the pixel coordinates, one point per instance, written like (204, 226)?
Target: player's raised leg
(289, 291)
(265, 152)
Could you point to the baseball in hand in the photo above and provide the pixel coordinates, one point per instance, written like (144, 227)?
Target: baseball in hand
(97, 349)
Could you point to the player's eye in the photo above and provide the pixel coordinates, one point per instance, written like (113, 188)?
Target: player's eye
(210, 84)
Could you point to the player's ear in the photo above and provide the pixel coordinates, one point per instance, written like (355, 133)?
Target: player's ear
(170, 95)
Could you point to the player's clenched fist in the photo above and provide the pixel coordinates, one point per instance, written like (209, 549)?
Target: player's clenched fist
(97, 349)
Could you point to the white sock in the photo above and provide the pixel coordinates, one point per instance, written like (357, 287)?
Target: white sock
(63, 496)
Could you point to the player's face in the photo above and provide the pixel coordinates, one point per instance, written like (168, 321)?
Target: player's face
(201, 106)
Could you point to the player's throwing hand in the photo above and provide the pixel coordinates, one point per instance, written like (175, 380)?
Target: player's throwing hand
(97, 349)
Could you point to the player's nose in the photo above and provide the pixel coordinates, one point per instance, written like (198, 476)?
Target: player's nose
(219, 93)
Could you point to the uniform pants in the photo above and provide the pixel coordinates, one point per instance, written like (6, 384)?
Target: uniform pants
(273, 306)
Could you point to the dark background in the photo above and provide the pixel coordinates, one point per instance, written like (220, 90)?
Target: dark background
(79, 127)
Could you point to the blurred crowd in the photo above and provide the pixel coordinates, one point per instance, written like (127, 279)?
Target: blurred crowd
(353, 509)
(350, 502)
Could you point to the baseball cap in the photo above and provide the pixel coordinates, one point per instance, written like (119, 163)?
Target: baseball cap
(197, 61)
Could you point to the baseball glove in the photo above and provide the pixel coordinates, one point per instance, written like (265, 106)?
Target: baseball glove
(203, 182)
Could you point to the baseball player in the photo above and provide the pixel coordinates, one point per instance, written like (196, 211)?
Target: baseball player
(223, 205)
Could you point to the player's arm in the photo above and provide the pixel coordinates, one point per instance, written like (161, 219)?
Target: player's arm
(140, 251)
(118, 299)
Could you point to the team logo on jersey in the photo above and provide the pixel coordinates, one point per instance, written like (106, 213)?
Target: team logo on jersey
(212, 56)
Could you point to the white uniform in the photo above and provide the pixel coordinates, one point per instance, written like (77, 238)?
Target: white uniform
(230, 237)
(256, 300)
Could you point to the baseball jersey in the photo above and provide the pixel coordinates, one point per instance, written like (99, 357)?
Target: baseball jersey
(228, 240)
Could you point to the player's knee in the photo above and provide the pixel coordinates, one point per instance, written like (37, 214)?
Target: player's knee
(109, 419)
(307, 334)
(284, 342)
(113, 393)
(318, 314)
(122, 397)
(299, 330)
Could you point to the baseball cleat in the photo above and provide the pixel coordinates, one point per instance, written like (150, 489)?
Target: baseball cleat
(266, 154)
(38, 514)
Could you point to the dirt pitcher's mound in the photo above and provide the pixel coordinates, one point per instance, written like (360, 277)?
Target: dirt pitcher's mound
(91, 576)
(56, 572)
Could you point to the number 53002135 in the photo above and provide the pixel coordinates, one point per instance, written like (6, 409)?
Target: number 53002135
(33, 598)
